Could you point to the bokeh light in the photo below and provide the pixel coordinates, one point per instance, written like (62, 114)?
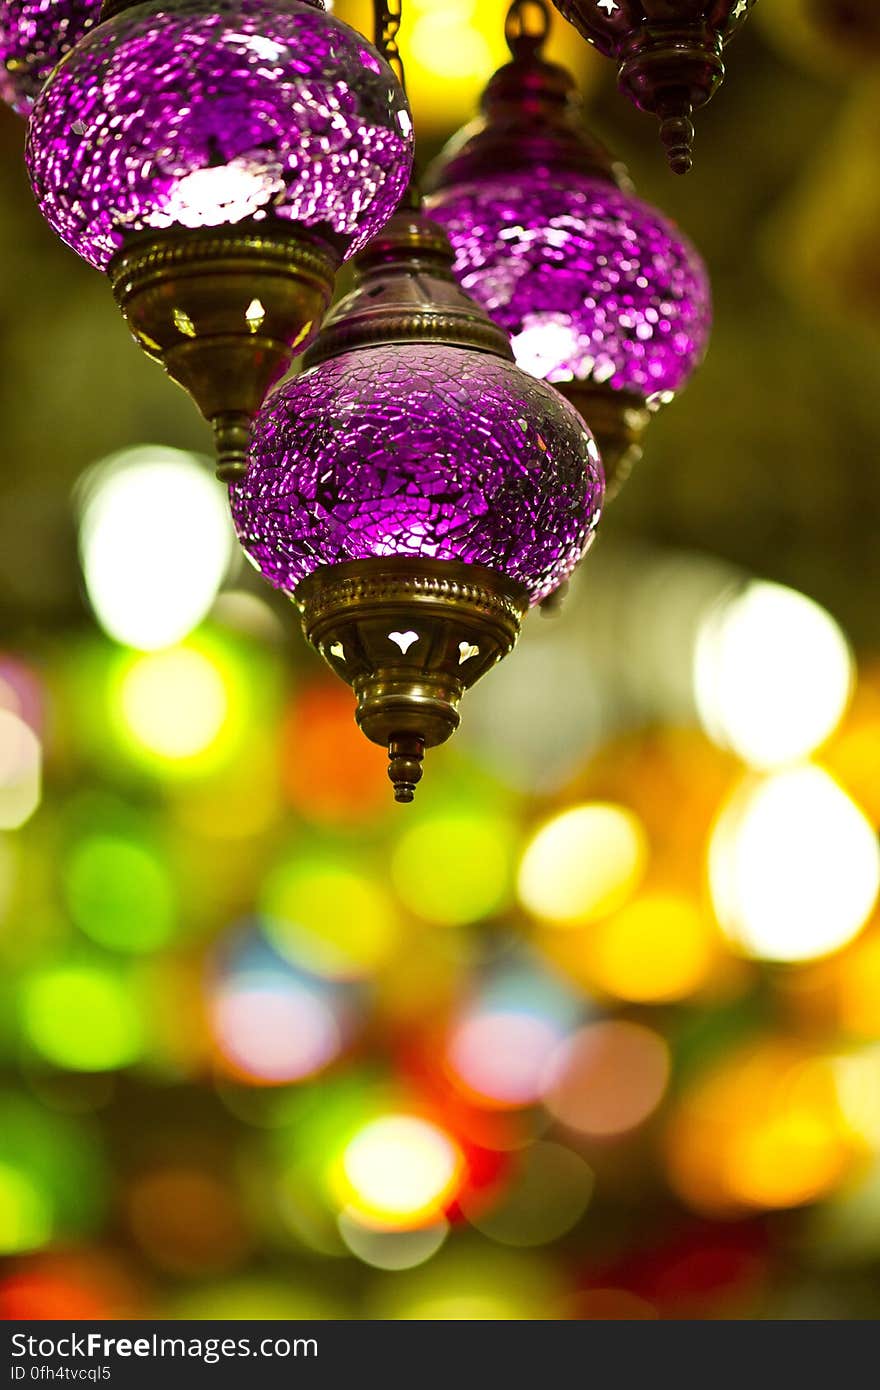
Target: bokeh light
(794, 866)
(87, 1284)
(399, 1172)
(393, 1250)
(25, 1212)
(547, 1196)
(82, 1016)
(762, 1128)
(155, 543)
(327, 915)
(499, 1047)
(658, 948)
(275, 1033)
(174, 703)
(451, 51)
(9, 861)
(856, 982)
(51, 1176)
(773, 674)
(499, 1058)
(853, 755)
(273, 1024)
(239, 798)
(22, 691)
(20, 770)
(456, 866)
(530, 725)
(591, 1030)
(331, 773)
(120, 892)
(583, 863)
(608, 1078)
(856, 1076)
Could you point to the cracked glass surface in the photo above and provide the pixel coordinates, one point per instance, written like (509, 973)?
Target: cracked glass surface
(34, 36)
(591, 283)
(203, 114)
(423, 451)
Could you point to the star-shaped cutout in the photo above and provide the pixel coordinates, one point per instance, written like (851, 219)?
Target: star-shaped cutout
(741, 7)
(609, 6)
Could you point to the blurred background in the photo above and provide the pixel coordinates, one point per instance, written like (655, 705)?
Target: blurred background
(590, 1031)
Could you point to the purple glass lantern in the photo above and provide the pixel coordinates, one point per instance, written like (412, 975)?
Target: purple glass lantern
(601, 295)
(205, 113)
(34, 36)
(255, 143)
(415, 492)
(429, 452)
(590, 282)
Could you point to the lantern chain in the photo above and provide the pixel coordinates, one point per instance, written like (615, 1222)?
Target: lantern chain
(387, 15)
(526, 27)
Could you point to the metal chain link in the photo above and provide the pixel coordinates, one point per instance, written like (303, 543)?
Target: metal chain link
(387, 14)
(527, 26)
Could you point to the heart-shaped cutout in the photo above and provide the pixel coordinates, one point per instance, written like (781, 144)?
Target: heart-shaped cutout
(465, 651)
(337, 650)
(403, 640)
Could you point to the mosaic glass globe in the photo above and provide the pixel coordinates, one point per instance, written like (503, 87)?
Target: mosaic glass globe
(207, 113)
(34, 36)
(591, 283)
(428, 452)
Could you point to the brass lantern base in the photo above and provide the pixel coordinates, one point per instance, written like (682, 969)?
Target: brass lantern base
(617, 419)
(224, 310)
(410, 636)
(671, 70)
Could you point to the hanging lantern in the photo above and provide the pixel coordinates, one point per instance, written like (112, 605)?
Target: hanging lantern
(600, 294)
(415, 493)
(34, 37)
(218, 158)
(668, 55)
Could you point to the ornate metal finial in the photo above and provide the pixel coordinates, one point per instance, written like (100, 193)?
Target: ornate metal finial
(410, 636)
(669, 56)
(405, 757)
